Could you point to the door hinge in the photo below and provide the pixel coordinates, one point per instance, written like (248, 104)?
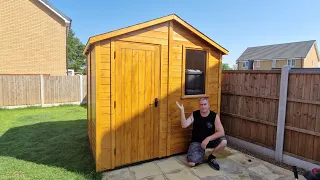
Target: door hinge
(114, 151)
(114, 104)
(114, 55)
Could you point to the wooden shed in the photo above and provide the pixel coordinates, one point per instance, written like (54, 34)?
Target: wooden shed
(135, 76)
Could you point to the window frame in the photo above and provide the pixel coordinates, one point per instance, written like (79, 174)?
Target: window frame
(274, 63)
(184, 61)
(245, 64)
(258, 64)
(291, 62)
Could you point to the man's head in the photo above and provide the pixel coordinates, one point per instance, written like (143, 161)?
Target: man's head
(203, 104)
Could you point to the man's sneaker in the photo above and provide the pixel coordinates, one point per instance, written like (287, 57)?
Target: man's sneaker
(213, 162)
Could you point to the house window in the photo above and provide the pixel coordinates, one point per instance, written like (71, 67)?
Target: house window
(258, 63)
(274, 63)
(195, 72)
(245, 64)
(292, 62)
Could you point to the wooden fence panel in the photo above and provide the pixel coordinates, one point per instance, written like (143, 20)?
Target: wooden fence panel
(302, 131)
(249, 110)
(84, 87)
(19, 90)
(61, 89)
(249, 105)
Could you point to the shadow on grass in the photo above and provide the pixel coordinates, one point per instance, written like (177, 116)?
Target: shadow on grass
(61, 144)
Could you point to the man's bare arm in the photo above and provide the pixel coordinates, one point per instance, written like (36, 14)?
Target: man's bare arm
(219, 130)
(184, 122)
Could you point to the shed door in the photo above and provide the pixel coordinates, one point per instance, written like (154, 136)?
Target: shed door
(137, 117)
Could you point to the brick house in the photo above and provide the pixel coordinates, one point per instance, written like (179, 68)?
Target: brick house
(33, 38)
(303, 54)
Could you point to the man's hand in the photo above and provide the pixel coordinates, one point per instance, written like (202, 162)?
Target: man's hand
(180, 106)
(204, 143)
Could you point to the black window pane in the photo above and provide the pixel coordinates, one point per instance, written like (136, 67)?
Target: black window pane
(195, 72)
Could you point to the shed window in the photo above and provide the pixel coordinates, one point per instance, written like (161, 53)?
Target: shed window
(195, 72)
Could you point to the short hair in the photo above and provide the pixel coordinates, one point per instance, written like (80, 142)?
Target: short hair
(203, 98)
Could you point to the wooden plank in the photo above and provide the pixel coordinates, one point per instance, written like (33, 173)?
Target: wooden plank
(252, 71)
(105, 88)
(250, 95)
(304, 131)
(303, 101)
(170, 44)
(119, 101)
(148, 117)
(141, 90)
(128, 105)
(105, 58)
(149, 40)
(98, 133)
(250, 119)
(135, 105)
(316, 147)
(157, 94)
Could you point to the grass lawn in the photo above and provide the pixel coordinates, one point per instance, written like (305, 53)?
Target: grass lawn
(45, 143)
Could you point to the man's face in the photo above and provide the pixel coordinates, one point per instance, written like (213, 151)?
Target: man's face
(203, 106)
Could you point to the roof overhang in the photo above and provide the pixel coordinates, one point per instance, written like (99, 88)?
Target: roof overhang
(118, 32)
(66, 19)
(316, 47)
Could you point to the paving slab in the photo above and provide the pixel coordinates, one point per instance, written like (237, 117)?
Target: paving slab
(233, 151)
(233, 165)
(277, 169)
(145, 170)
(230, 167)
(169, 164)
(244, 176)
(205, 171)
(243, 159)
(264, 172)
(157, 177)
(292, 178)
(184, 174)
(119, 174)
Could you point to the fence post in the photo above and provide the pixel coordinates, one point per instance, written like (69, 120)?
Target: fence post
(282, 112)
(81, 89)
(41, 90)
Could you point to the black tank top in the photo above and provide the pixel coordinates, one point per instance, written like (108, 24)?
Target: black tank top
(202, 126)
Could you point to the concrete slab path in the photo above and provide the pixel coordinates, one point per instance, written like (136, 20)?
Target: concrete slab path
(233, 165)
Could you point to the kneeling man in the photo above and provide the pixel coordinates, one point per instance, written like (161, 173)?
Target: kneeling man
(207, 132)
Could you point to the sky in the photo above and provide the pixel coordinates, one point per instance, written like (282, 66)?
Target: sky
(234, 24)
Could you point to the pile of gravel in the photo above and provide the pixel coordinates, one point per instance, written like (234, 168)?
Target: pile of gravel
(265, 158)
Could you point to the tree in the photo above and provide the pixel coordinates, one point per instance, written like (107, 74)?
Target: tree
(76, 60)
(225, 66)
(235, 67)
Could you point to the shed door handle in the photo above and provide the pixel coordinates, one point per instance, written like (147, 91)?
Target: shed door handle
(156, 102)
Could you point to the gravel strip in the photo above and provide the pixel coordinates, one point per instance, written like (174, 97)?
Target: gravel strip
(265, 158)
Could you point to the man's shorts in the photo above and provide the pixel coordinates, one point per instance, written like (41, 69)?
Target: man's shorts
(196, 152)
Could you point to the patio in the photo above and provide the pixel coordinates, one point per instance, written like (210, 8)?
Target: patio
(233, 165)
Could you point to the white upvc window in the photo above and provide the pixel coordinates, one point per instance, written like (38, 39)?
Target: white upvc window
(245, 64)
(274, 63)
(258, 63)
(292, 62)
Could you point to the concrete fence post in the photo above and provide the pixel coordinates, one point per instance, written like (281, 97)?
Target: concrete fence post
(41, 90)
(282, 112)
(81, 89)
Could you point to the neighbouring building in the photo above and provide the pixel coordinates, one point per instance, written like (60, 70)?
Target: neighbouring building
(302, 54)
(33, 38)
